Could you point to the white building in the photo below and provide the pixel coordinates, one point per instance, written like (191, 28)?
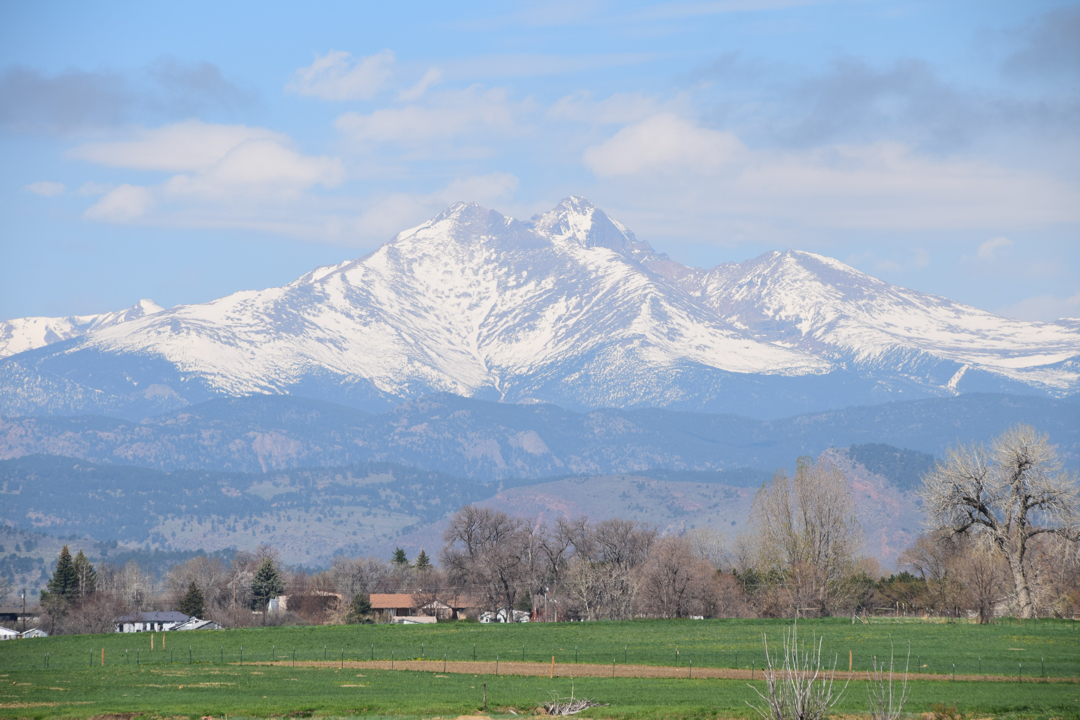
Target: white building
(151, 622)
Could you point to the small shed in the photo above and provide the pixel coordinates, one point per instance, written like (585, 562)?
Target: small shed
(34, 633)
(6, 634)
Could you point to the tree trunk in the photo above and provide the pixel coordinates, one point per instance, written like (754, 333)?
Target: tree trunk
(1025, 608)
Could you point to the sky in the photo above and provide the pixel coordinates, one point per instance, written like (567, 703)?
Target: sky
(182, 152)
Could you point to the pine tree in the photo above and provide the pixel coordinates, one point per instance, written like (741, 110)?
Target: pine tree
(359, 608)
(422, 561)
(193, 603)
(63, 585)
(400, 558)
(85, 576)
(267, 584)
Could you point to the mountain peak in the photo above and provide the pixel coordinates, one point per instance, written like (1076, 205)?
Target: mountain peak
(578, 220)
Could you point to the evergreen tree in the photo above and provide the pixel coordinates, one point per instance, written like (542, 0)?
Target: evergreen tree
(266, 585)
(85, 576)
(359, 608)
(422, 561)
(63, 585)
(400, 558)
(193, 603)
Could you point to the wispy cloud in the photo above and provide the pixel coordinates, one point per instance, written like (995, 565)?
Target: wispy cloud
(432, 77)
(989, 248)
(46, 188)
(337, 75)
(475, 112)
(180, 147)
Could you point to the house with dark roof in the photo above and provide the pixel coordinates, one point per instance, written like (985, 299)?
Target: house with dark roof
(151, 622)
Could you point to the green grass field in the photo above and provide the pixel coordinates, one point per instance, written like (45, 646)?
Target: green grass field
(63, 676)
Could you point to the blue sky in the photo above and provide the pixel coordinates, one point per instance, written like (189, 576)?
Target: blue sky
(183, 152)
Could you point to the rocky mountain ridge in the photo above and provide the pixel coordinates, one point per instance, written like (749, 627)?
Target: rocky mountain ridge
(569, 308)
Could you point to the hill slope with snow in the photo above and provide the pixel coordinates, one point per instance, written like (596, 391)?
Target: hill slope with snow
(30, 333)
(568, 308)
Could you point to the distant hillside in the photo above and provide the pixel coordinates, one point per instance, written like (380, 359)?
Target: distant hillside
(312, 514)
(903, 468)
(489, 441)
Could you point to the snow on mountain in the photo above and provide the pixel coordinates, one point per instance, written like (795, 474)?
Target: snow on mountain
(472, 303)
(23, 334)
(824, 307)
(568, 308)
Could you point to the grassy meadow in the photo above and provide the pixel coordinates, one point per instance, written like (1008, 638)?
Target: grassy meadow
(200, 673)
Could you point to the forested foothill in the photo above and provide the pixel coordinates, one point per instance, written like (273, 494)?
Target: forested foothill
(1001, 541)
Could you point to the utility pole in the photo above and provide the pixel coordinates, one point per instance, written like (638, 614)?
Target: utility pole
(23, 609)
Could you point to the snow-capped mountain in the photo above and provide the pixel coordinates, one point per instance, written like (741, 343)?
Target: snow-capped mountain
(826, 308)
(29, 333)
(568, 308)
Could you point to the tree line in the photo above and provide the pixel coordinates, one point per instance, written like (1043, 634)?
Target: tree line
(1001, 537)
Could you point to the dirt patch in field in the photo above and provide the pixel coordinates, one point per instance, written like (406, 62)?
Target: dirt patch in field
(567, 670)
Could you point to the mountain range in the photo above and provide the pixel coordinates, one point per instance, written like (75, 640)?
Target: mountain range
(569, 308)
(503, 442)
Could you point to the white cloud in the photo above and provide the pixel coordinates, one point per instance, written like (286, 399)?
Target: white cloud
(182, 147)
(616, 108)
(663, 143)
(1045, 308)
(448, 115)
(92, 188)
(988, 248)
(431, 77)
(673, 177)
(123, 204)
(338, 76)
(259, 167)
(46, 188)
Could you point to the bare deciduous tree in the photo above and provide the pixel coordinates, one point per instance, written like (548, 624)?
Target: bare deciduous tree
(490, 552)
(807, 533)
(676, 582)
(935, 557)
(358, 575)
(983, 572)
(1013, 492)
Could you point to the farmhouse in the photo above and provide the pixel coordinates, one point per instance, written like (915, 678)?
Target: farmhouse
(151, 622)
(388, 606)
(6, 634)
